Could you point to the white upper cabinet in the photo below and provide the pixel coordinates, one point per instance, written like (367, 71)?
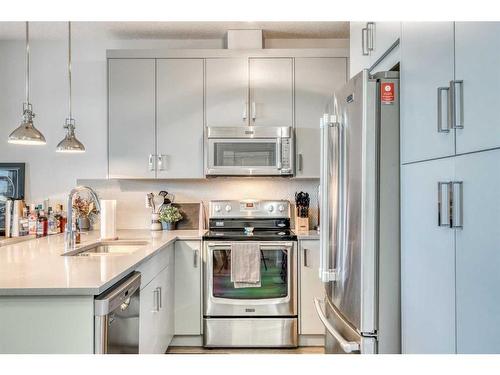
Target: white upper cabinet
(271, 91)
(359, 56)
(477, 58)
(478, 255)
(316, 79)
(427, 260)
(131, 85)
(369, 41)
(427, 60)
(226, 92)
(179, 118)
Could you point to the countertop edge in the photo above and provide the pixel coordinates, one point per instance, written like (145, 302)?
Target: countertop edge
(54, 292)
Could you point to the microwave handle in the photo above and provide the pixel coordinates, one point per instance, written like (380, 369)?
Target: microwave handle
(279, 156)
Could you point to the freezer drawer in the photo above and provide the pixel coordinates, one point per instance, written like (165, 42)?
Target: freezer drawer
(340, 337)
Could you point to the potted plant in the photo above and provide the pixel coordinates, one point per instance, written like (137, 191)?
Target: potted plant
(85, 212)
(169, 217)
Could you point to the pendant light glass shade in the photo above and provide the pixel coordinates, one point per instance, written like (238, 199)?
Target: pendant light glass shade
(70, 144)
(26, 133)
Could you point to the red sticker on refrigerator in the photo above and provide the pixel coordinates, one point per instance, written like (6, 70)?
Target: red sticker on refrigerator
(387, 93)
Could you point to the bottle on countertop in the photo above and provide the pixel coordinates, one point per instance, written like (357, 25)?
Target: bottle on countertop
(42, 224)
(32, 219)
(24, 229)
(61, 217)
(53, 222)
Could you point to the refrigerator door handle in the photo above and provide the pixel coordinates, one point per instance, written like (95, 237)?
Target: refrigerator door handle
(457, 215)
(326, 274)
(444, 214)
(347, 346)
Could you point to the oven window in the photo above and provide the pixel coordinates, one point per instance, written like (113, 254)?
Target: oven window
(244, 154)
(273, 274)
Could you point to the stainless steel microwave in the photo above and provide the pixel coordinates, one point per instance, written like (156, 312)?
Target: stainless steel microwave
(249, 151)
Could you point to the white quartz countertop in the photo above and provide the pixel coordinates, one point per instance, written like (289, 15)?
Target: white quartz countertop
(36, 267)
(310, 235)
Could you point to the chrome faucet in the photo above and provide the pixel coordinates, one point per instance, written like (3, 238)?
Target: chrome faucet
(70, 240)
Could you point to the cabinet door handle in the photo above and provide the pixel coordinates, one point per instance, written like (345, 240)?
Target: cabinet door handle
(440, 128)
(195, 258)
(300, 162)
(444, 214)
(151, 162)
(364, 46)
(306, 264)
(254, 111)
(370, 27)
(457, 211)
(160, 301)
(457, 105)
(156, 307)
(245, 111)
(161, 162)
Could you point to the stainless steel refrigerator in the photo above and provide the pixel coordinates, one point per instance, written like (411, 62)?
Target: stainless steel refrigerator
(359, 217)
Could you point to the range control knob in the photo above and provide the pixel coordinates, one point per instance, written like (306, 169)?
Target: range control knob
(217, 208)
(228, 208)
(270, 208)
(281, 208)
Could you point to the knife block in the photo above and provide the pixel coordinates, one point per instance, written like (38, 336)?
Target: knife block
(301, 224)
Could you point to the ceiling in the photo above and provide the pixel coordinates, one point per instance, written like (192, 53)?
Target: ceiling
(175, 30)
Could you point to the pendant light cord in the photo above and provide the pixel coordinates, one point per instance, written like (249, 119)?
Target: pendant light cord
(69, 68)
(27, 64)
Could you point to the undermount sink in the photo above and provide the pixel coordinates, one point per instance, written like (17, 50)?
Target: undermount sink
(117, 247)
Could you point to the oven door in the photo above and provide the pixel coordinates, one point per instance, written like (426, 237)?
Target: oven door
(277, 295)
(240, 156)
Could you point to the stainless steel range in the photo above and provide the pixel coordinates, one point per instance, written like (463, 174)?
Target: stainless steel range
(257, 315)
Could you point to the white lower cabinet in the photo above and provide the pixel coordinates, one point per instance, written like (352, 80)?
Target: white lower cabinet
(156, 324)
(188, 288)
(310, 287)
(450, 278)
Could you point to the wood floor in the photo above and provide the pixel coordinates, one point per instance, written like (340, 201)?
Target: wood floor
(201, 350)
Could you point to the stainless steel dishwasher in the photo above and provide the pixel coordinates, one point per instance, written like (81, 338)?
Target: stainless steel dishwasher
(116, 318)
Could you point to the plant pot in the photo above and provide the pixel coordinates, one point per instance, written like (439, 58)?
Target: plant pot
(168, 226)
(84, 224)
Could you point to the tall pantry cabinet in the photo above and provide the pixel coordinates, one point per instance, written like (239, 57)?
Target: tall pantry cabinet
(450, 196)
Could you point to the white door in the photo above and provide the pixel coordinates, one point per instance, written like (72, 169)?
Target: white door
(427, 260)
(478, 254)
(359, 57)
(226, 92)
(179, 118)
(426, 64)
(271, 91)
(310, 287)
(131, 106)
(187, 288)
(477, 58)
(316, 79)
(149, 318)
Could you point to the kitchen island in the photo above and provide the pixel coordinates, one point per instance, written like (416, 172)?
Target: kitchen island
(47, 300)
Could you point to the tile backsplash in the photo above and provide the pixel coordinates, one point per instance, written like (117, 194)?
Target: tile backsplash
(130, 194)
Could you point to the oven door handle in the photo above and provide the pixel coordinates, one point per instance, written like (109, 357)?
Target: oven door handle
(269, 245)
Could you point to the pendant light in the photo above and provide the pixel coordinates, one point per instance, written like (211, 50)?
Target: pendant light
(26, 133)
(70, 144)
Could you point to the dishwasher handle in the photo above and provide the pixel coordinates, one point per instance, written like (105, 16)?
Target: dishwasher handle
(120, 294)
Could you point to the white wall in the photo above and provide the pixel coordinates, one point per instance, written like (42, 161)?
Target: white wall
(50, 174)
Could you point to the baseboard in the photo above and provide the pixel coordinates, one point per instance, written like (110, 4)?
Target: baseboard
(187, 341)
(311, 340)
